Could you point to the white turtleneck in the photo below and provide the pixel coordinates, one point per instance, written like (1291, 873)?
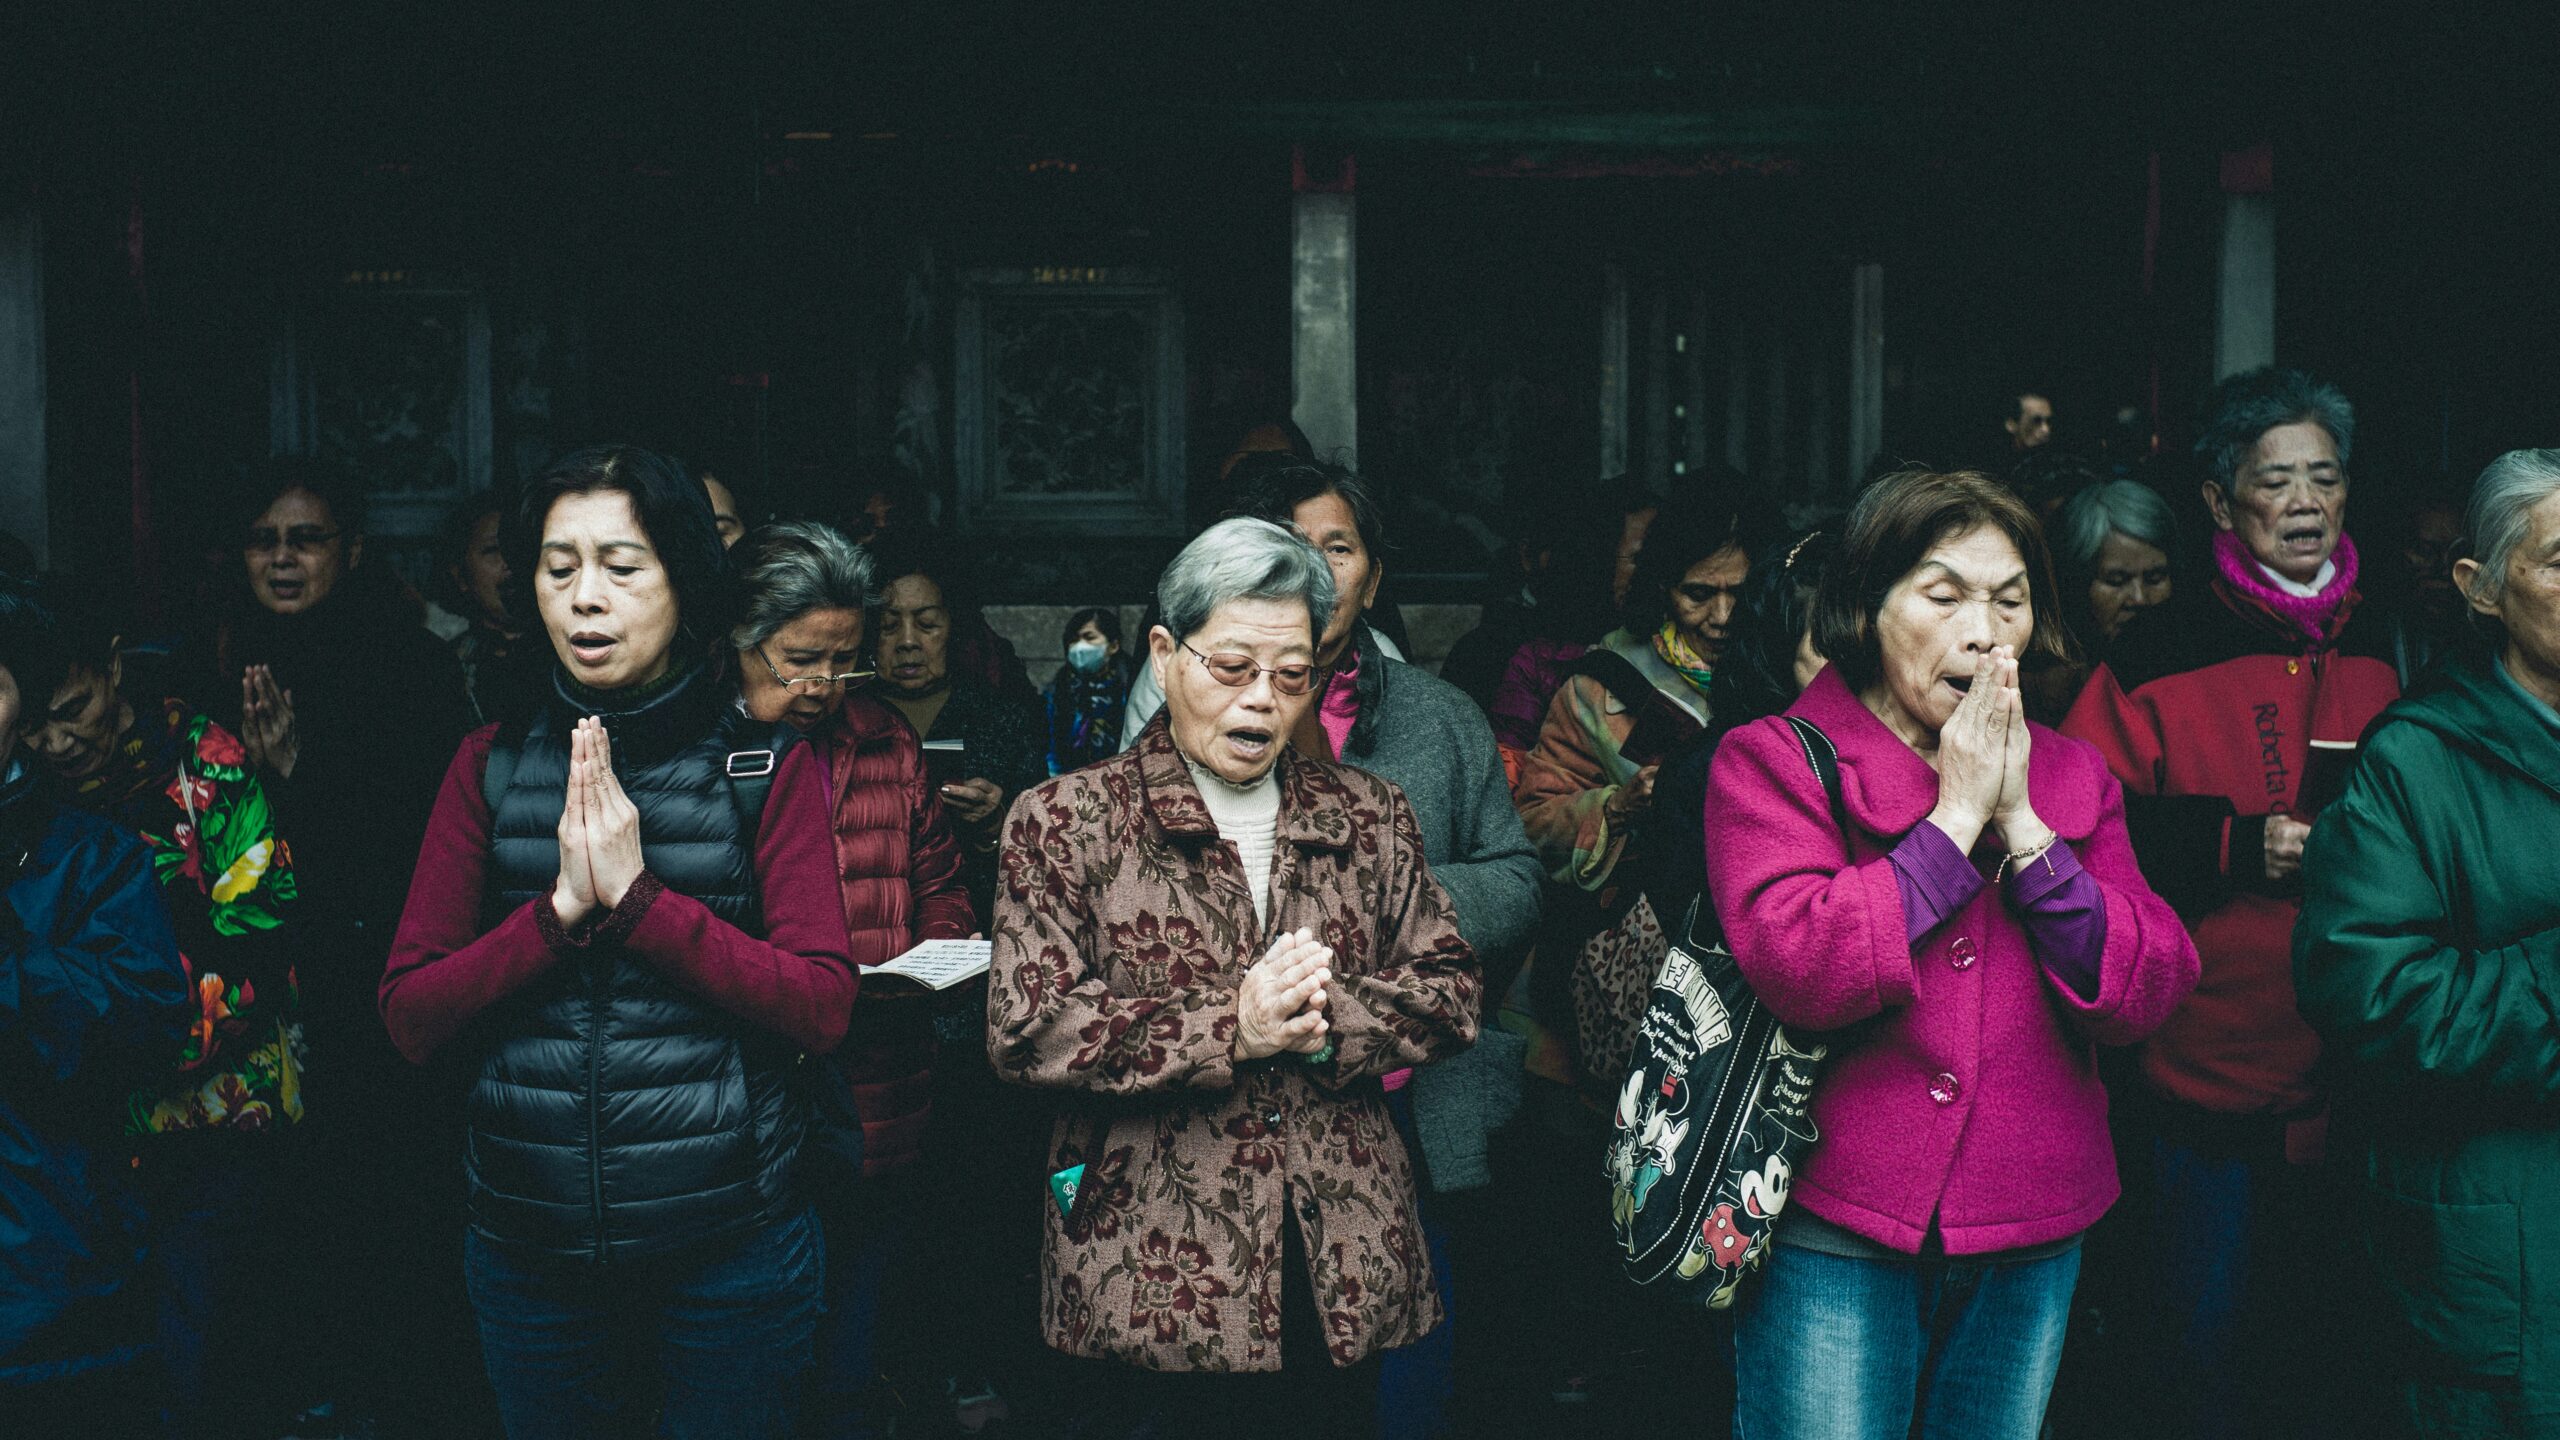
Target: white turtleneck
(2295, 588)
(1247, 817)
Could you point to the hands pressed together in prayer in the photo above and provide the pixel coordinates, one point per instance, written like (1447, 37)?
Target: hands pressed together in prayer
(599, 831)
(266, 723)
(1982, 762)
(1280, 1006)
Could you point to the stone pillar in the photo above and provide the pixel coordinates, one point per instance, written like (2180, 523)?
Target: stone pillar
(1613, 371)
(22, 379)
(1866, 372)
(1323, 355)
(2244, 324)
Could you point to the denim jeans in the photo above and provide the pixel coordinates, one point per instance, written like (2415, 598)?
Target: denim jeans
(1833, 1348)
(721, 1340)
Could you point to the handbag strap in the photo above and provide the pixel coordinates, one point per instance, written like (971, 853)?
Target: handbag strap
(1819, 754)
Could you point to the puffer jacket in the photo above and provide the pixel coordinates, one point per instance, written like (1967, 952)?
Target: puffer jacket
(634, 1091)
(93, 1000)
(2428, 959)
(900, 871)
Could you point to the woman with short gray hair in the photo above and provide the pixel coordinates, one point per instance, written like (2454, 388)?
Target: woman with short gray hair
(2430, 931)
(806, 592)
(2115, 542)
(1214, 947)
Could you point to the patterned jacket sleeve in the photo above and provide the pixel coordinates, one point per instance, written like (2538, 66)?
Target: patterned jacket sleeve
(1418, 996)
(1565, 785)
(1053, 1019)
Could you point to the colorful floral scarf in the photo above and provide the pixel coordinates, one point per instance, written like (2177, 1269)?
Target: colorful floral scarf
(1676, 653)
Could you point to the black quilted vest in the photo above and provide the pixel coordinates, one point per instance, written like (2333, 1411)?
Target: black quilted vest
(616, 1114)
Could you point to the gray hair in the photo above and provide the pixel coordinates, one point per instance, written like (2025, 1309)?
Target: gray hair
(788, 569)
(2512, 485)
(1243, 559)
(2245, 407)
(2112, 507)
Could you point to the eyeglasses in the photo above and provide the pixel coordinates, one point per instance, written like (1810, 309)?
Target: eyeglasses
(301, 539)
(1238, 671)
(811, 684)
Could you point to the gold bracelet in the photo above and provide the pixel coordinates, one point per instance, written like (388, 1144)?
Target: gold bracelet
(2024, 858)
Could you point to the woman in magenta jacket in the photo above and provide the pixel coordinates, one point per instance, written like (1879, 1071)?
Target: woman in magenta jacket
(1977, 926)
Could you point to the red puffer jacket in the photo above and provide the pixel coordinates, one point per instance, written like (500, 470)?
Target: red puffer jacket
(900, 869)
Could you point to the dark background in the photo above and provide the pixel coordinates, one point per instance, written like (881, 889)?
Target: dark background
(660, 261)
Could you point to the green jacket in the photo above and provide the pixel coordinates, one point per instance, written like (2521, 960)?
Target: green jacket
(2428, 958)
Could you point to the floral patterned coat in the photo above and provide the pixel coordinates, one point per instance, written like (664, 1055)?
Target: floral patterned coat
(1122, 928)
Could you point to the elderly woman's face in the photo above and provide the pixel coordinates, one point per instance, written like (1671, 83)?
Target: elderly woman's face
(1967, 595)
(2529, 606)
(915, 635)
(605, 596)
(296, 552)
(2288, 503)
(1236, 731)
(80, 728)
(1329, 525)
(2131, 577)
(817, 645)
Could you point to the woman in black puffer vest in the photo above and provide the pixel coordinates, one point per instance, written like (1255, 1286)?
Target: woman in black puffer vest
(626, 908)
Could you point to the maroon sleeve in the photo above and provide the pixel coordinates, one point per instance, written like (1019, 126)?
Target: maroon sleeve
(798, 981)
(442, 970)
(933, 865)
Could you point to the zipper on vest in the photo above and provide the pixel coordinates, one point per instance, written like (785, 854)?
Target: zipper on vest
(595, 1108)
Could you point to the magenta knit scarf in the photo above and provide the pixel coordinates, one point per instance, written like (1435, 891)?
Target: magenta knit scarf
(2316, 615)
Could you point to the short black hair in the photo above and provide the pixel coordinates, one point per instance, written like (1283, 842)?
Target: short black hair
(675, 516)
(906, 550)
(31, 648)
(1691, 526)
(1271, 485)
(271, 480)
(1100, 617)
(2245, 407)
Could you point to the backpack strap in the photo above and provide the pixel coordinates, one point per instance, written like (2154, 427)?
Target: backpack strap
(1826, 765)
(751, 770)
(1826, 768)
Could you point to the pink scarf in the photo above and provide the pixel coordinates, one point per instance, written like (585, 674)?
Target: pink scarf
(2317, 616)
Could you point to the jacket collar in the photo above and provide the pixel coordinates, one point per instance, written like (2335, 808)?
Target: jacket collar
(2475, 708)
(2319, 619)
(1315, 806)
(1887, 788)
(657, 729)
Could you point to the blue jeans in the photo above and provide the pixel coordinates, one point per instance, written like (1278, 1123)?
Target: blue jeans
(1833, 1348)
(726, 1335)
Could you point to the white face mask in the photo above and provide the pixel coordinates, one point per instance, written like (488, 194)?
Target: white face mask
(1086, 656)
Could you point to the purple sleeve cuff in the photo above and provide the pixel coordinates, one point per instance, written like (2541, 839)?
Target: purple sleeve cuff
(2065, 915)
(1935, 878)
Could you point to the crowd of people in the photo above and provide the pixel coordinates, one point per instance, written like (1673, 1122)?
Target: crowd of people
(456, 1013)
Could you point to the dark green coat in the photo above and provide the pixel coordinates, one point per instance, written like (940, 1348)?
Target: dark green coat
(2428, 958)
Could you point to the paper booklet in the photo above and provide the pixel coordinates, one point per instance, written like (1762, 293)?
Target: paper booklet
(940, 964)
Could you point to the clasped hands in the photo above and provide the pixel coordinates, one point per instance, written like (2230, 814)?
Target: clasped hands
(599, 831)
(1280, 1005)
(1982, 762)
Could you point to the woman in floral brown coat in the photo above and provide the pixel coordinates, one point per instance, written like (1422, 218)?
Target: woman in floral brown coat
(1217, 946)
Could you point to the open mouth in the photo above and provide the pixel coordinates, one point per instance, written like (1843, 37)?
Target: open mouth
(590, 648)
(2302, 537)
(284, 589)
(1249, 744)
(1961, 684)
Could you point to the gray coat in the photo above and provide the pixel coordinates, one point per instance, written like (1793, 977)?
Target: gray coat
(1434, 744)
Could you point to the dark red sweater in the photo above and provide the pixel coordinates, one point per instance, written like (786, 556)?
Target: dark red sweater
(797, 982)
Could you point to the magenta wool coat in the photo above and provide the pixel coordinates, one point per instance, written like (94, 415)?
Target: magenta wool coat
(1962, 1088)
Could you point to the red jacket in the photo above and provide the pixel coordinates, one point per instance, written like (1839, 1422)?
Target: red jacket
(900, 871)
(2206, 709)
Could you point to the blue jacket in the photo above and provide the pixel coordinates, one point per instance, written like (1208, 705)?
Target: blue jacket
(93, 1000)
